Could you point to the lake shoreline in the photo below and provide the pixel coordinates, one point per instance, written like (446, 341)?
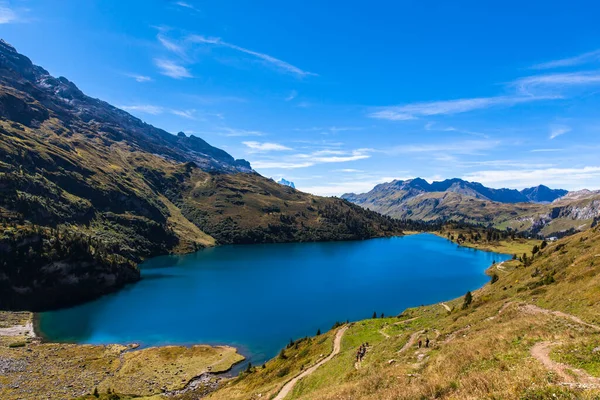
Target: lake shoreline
(249, 353)
(233, 370)
(26, 330)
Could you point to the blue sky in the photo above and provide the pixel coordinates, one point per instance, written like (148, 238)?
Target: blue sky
(338, 96)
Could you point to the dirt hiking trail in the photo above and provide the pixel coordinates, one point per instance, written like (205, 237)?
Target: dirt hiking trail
(337, 345)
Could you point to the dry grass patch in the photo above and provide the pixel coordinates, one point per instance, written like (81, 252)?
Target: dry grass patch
(67, 371)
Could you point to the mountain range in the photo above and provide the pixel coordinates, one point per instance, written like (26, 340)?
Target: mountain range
(535, 210)
(87, 191)
(413, 187)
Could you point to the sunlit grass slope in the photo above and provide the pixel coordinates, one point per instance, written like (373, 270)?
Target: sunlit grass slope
(484, 350)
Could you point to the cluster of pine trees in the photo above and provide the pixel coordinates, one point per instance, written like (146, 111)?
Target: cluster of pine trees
(27, 253)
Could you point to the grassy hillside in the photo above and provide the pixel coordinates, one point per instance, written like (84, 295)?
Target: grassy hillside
(506, 344)
(487, 239)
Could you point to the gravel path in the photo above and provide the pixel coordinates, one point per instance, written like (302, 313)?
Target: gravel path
(337, 345)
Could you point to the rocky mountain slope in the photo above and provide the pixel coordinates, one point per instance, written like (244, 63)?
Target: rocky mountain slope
(543, 194)
(76, 169)
(535, 210)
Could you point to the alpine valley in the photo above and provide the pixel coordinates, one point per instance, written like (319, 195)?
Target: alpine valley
(87, 191)
(137, 263)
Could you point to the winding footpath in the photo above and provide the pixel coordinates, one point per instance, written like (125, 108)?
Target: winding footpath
(337, 346)
(541, 352)
(570, 376)
(411, 341)
(386, 335)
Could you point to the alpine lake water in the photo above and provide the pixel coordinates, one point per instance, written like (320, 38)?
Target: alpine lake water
(258, 297)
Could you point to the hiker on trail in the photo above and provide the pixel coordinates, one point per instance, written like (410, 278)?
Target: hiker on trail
(361, 352)
(420, 343)
(427, 342)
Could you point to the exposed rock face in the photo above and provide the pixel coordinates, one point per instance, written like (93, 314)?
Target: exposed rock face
(580, 195)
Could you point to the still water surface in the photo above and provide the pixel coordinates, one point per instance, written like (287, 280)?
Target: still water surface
(258, 297)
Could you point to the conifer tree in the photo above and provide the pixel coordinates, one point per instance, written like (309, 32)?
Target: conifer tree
(468, 300)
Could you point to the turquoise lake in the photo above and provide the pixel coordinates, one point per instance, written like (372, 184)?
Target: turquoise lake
(258, 297)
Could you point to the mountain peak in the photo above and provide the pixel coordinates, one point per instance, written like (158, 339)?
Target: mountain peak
(4, 45)
(285, 182)
(64, 100)
(543, 194)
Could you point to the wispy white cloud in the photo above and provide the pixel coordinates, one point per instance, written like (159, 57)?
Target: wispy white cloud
(567, 178)
(348, 170)
(186, 5)
(144, 108)
(464, 147)
(7, 15)
(554, 82)
(327, 143)
(507, 163)
(189, 114)
(326, 130)
(234, 132)
(586, 58)
(339, 188)
(527, 89)
(293, 94)
(266, 164)
(157, 110)
(336, 156)
(432, 126)
(171, 46)
(305, 160)
(209, 99)
(557, 130)
(139, 78)
(546, 150)
(449, 107)
(266, 146)
(172, 69)
(270, 60)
